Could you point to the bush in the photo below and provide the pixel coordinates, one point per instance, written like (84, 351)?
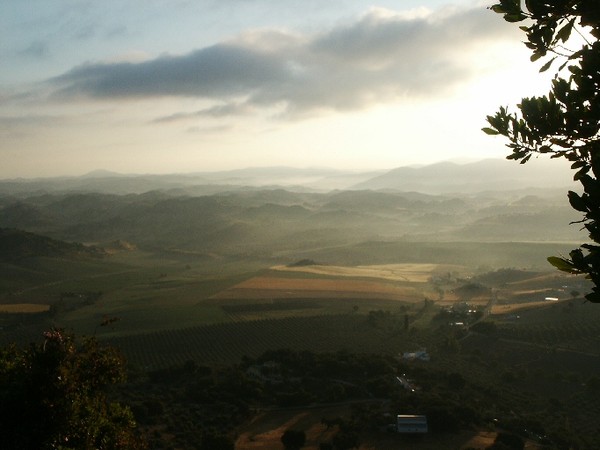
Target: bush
(508, 441)
(293, 439)
(53, 395)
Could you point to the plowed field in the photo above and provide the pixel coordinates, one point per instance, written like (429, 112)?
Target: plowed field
(275, 287)
(24, 308)
(413, 273)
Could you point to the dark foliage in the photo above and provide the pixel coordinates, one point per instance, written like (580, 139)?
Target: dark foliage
(53, 395)
(293, 439)
(17, 244)
(566, 122)
(508, 441)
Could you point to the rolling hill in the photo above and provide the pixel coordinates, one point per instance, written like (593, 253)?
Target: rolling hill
(16, 245)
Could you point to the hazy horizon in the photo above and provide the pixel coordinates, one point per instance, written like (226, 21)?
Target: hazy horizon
(556, 168)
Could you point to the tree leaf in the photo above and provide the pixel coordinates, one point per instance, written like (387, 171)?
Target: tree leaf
(535, 56)
(547, 65)
(490, 131)
(565, 32)
(516, 17)
(577, 202)
(562, 264)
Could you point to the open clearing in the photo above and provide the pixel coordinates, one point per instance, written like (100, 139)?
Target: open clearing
(385, 281)
(517, 307)
(264, 432)
(412, 273)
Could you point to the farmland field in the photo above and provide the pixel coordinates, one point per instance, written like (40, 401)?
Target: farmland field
(24, 308)
(175, 312)
(265, 430)
(229, 342)
(517, 307)
(276, 287)
(412, 273)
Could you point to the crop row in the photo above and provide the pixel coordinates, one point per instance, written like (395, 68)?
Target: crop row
(229, 342)
(554, 333)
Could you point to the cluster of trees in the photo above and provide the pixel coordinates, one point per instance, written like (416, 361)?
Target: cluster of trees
(61, 394)
(54, 395)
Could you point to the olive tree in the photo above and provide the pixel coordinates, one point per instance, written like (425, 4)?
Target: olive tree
(565, 123)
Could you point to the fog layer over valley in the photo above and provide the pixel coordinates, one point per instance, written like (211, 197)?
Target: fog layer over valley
(290, 221)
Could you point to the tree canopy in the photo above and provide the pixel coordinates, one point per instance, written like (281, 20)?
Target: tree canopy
(565, 123)
(53, 396)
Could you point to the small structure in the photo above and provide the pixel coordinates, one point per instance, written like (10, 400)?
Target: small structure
(411, 424)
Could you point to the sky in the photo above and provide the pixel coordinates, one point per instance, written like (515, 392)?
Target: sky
(180, 86)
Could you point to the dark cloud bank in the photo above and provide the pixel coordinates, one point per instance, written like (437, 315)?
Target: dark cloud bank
(378, 58)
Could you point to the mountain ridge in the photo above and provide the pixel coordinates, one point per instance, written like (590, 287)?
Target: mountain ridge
(437, 178)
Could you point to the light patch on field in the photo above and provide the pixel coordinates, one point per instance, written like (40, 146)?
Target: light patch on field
(24, 308)
(539, 292)
(264, 431)
(276, 287)
(483, 439)
(413, 273)
(516, 307)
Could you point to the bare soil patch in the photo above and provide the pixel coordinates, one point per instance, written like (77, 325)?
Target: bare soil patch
(413, 273)
(24, 308)
(517, 307)
(264, 432)
(275, 287)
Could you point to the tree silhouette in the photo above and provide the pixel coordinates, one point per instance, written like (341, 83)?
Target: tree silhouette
(53, 396)
(565, 123)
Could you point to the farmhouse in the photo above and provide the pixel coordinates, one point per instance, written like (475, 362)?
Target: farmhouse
(410, 423)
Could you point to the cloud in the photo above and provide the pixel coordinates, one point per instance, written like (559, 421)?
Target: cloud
(28, 120)
(210, 130)
(229, 109)
(213, 72)
(382, 57)
(37, 49)
(26, 125)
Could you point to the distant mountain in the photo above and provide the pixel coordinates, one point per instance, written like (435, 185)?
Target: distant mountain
(101, 173)
(201, 183)
(486, 175)
(440, 178)
(16, 244)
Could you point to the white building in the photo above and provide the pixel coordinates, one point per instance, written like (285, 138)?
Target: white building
(410, 423)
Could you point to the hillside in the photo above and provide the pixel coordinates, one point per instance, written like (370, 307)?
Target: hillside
(16, 244)
(276, 223)
(486, 175)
